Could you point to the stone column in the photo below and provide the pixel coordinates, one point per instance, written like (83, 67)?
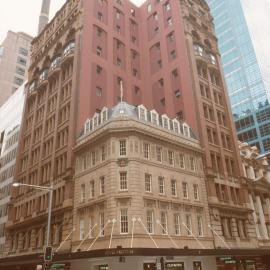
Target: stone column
(267, 200)
(254, 216)
(261, 217)
(267, 175)
(244, 170)
(250, 172)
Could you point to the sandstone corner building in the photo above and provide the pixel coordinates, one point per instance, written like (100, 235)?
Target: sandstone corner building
(127, 115)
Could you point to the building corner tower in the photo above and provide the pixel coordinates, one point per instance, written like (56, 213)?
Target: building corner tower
(44, 15)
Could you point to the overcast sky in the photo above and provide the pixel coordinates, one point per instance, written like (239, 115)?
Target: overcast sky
(22, 15)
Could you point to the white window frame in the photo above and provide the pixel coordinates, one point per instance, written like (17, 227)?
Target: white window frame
(177, 224)
(185, 190)
(196, 192)
(200, 226)
(82, 193)
(102, 185)
(88, 126)
(150, 221)
(164, 223)
(101, 223)
(189, 224)
(153, 114)
(121, 183)
(146, 150)
(159, 147)
(148, 183)
(122, 147)
(141, 109)
(124, 221)
(176, 126)
(92, 189)
(174, 187)
(171, 157)
(192, 163)
(161, 185)
(165, 119)
(81, 227)
(104, 115)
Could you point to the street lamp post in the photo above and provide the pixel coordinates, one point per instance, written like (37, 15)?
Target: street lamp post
(50, 190)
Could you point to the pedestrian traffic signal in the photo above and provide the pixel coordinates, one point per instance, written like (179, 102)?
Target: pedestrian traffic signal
(48, 254)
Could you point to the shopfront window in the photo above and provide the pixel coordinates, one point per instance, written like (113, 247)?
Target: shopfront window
(175, 266)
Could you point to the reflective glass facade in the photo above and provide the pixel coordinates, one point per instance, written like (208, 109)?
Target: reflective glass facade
(247, 92)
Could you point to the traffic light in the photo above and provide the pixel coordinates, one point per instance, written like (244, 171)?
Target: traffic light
(48, 254)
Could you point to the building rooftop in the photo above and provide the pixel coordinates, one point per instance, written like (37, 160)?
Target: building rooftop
(140, 113)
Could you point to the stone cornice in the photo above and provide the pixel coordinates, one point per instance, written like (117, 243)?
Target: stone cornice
(125, 124)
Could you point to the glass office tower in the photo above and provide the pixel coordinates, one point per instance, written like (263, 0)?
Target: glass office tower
(244, 77)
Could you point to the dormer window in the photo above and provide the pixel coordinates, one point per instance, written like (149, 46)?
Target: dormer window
(154, 117)
(165, 121)
(186, 130)
(95, 120)
(104, 115)
(142, 112)
(176, 126)
(87, 126)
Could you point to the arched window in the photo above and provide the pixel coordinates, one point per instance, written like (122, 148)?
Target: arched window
(88, 126)
(165, 121)
(154, 117)
(104, 115)
(176, 126)
(186, 130)
(142, 112)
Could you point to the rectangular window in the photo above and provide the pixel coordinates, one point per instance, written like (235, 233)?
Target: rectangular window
(23, 51)
(148, 182)
(163, 223)
(98, 91)
(99, 51)
(150, 221)
(102, 185)
(124, 221)
(81, 229)
(103, 153)
(82, 193)
(173, 187)
(159, 153)
(196, 192)
(189, 225)
(20, 71)
(93, 158)
(177, 228)
(92, 189)
(122, 148)
(171, 157)
(181, 161)
(90, 226)
(146, 150)
(101, 223)
(123, 181)
(21, 61)
(200, 225)
(192, 163)
(185, 190)
(161, 184)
